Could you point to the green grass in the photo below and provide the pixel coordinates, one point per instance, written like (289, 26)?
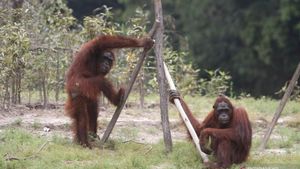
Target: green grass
(286, 161)
(61, 153)
(256, 108)
(32, 152)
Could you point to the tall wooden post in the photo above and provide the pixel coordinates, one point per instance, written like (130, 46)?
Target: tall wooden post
(161, 76)
(185, 118)
(157, 32)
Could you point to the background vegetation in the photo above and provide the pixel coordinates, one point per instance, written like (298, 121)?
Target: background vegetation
(257, 42)
(234, 47)
(40, 37)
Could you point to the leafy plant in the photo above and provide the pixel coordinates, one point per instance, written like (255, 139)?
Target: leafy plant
(218, 82)
(184, 75)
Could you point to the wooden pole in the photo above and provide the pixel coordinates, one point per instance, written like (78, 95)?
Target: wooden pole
(184, 117)
(282, 103)
(161, 77)
(128, 89)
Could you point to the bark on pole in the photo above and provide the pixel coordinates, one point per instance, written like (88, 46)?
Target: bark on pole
(282, 103)
(184, 117)
(128, 89)
(161, 76)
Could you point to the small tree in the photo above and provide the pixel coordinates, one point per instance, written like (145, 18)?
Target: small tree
(14, 51)
(218, 82)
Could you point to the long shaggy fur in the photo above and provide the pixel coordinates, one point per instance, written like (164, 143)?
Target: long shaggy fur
(85, 82)
(230, 144)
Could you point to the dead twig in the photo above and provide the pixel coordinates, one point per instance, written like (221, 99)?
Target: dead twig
(131, 140)
(149, 149)
(42, 147)
(8, 158)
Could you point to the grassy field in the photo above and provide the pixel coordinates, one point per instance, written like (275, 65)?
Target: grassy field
(20, 149)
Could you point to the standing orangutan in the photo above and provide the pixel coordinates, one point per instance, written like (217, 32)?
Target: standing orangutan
(229, 129)
(85, 80)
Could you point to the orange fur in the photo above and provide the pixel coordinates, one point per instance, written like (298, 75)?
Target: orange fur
(231, 143)
(85, 82)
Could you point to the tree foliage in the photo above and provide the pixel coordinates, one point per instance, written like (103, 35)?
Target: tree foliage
(257, 42)
(254, 44)
(39, 39)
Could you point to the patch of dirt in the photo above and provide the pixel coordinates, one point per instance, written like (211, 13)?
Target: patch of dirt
(133, 123)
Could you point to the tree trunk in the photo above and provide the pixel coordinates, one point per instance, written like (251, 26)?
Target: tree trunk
(41, 91)
(141, 89)
(13, 91)
(29, 96)
(44, 87)
(45, 98)
(6, 100)
(18, 86)
(57, 80)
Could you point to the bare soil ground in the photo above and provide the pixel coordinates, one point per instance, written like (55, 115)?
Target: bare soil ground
(133, 124)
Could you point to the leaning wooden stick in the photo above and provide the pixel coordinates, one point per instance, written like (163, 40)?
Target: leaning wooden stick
(184, 116)
(128, 89)
(282, 103)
